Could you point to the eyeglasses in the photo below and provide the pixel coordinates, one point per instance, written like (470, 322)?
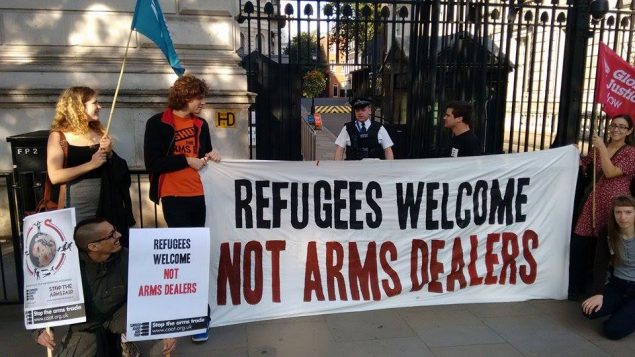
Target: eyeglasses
(619, 127)
(109, 236)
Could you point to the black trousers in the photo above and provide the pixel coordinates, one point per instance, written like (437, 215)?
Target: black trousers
(619, 302)
(184, 211)
(582, 255)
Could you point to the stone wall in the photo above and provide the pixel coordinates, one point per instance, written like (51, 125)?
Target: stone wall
(47, 46)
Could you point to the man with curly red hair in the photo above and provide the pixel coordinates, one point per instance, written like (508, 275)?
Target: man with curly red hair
(176, 145)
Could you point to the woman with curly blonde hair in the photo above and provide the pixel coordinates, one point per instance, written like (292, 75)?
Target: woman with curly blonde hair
(76, 126)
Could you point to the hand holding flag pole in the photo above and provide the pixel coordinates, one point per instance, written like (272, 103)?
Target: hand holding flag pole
(613, 91)
(148, 20)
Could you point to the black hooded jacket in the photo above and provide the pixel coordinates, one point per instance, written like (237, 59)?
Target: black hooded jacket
(158, 145)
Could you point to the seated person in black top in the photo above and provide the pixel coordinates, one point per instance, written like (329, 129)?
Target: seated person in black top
(458, 118)
(363, 138)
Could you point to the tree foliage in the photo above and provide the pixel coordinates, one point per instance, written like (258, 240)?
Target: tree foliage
(303, 50)
(356, 26)
(314, 83)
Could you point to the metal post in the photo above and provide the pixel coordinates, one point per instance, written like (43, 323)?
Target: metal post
(16, 229)
(577, 36)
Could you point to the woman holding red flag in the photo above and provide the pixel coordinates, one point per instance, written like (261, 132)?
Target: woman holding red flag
(615, 165)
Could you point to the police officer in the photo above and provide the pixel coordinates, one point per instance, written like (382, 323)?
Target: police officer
(363, 138)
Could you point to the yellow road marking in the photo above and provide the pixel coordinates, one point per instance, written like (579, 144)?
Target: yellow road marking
(333, 108)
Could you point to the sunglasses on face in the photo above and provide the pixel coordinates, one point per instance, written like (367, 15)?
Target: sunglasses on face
(109, 236)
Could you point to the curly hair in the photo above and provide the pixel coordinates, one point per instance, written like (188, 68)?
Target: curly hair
(70, 114)
(186, 88)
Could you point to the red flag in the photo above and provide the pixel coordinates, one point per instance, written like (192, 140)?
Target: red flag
(615, 83)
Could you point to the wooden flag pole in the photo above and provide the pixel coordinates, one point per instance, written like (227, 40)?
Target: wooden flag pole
(114, 99)
(593, 192)
(594, 172)
(49, 351)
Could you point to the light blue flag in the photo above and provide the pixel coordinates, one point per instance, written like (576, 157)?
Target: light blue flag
(149, 20)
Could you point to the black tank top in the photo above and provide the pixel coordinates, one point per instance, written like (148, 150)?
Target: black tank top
(78, 155)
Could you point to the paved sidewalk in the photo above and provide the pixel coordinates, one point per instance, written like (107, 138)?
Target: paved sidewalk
(533, 328)
(324, 140)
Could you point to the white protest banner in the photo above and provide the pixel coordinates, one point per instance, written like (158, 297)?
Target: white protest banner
(168, 282)
(53, 293)
(304, 238)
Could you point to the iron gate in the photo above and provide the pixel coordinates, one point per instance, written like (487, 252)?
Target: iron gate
(527, 66)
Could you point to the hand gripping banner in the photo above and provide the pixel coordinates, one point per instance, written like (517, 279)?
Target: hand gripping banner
(296, 238)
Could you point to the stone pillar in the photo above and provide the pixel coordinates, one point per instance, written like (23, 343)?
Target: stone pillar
(47, 46)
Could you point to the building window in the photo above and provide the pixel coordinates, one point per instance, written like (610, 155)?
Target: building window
(272, 42)
(241, 49)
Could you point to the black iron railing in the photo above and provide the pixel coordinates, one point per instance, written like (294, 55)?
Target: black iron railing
(10, 248)
(528, 67)
(22, 196)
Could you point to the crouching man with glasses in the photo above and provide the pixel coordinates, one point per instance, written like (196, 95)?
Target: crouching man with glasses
(104, 270)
